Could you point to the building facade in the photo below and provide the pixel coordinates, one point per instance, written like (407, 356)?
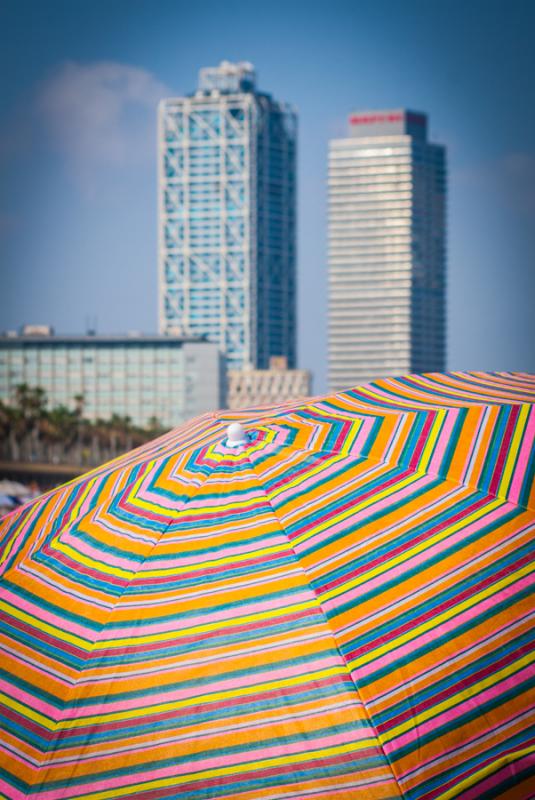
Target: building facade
(387, 249)
(227, 217)
(248, 388)
(168, 378)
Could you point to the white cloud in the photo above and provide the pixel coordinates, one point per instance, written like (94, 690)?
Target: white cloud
(100, 114)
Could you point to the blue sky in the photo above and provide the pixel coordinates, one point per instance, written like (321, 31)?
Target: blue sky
(80, 82)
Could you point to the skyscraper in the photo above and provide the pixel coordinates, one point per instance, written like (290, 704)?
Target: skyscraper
(387, 249)
(227, 207)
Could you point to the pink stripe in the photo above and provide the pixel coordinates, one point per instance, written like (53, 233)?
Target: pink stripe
(278, 498)
(303, 747)
(181, 565)
(519, 474)
(511, 768)
(362, 436)
(30, 700)
(450, 715)
(400, 570)
(443, 441)
(279, 606)
(86, 505)
(103, 557)
(145, 704)
(484, 644)
(10, 792)
(415, 776)
(353, 519)
(501, 460)
(40, 614)
(401, 550)
(470, 615)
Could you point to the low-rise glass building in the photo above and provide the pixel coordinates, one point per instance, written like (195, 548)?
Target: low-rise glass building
(169, 378)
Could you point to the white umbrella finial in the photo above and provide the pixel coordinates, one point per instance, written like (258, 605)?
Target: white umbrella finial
(236, 435)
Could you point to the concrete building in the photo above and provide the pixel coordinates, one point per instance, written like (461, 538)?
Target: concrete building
(387, 249)
(167, 377)
(257, 387)
(227, 208)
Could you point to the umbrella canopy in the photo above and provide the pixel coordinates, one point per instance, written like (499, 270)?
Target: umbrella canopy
(338, 606)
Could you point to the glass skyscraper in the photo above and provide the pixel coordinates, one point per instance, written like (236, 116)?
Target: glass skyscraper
(387, 249)
(227, 208)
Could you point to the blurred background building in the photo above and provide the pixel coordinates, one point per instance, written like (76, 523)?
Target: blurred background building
(146, 378)
(387, 249)
(227, 217)
(257, 387)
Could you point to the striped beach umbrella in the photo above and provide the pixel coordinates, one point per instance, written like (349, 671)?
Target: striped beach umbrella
(329, 599)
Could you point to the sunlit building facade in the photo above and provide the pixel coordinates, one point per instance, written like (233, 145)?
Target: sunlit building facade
(387, 249)
(247, 388)
(227, 208)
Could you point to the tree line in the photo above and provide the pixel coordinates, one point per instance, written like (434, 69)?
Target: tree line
(32, 431)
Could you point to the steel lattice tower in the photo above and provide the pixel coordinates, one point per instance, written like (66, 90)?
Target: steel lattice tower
(227, 207)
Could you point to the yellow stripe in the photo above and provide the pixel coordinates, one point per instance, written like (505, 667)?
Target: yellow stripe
(356, 425)
(38, 510)
(206, 509)
(358, 507)
(422, 466)
(76, 510)
(234, 769)
(235, 559)
(141, 713)
(27, 711)
(57, 633)
(481, 774)
(444, 617)
(513, 450)
(173, 635)
(408, 554)
(464, 694)
(322, 466)
(138, 502)
(4, 557)
(433, 435)
(99, 566)
(107, 569)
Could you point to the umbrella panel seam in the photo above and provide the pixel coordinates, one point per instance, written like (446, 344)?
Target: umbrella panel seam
(327, 623)
(52, 748)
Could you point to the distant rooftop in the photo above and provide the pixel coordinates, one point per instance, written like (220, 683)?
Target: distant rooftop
(44, 334)
(389, 122)
(228, 78)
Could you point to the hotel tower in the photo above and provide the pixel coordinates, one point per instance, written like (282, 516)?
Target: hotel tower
(387, 249)
(227, 207)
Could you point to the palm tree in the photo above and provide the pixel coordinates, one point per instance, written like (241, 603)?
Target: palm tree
(61, 428)
(30, 410)
(7, 419)
(62, 434)
(120, 433)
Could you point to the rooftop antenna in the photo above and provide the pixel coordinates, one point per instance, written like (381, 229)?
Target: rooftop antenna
(91, 325)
